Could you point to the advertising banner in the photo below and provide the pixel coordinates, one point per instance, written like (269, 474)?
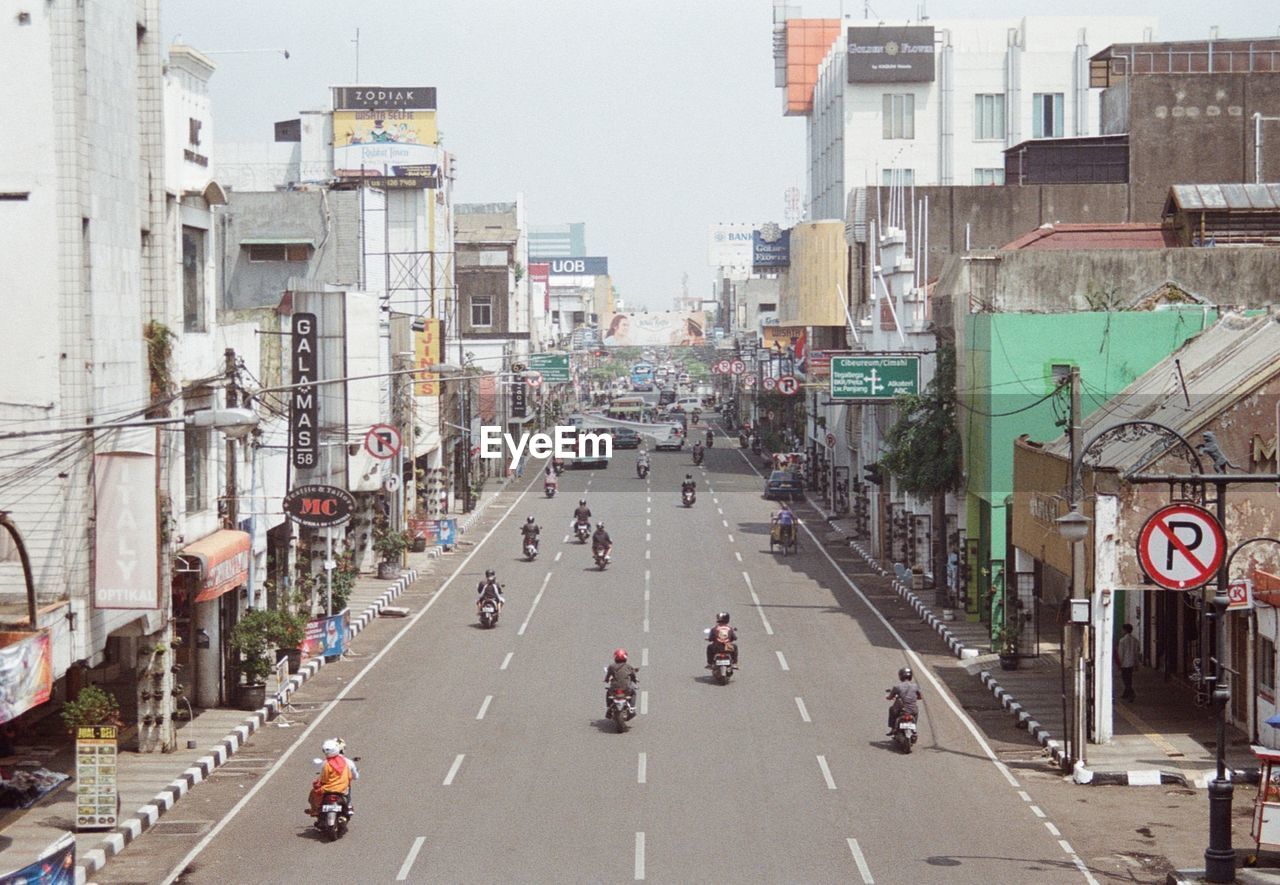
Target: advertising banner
(125, 532)
(818, 365)
(540, 281)
(437, 532)
(668, 329)
(57, 866)
(891, 55)
(383, 143)
(326, 637)
(553, 367)
(26, 672)
(771, 247)
(781, 336)
(729, 244)
(426, 349)
(304, 405)
(96, 795)
(405, 98)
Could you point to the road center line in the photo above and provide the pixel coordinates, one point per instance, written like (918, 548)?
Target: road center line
(639, 857)
(642, 769)
(1035, 809)
(804, 714)
(485, 706)
(646, 554)
(1053, 831)
(720, 510)
(826, 772)
(647, 537)
(506, 660)
(730, 537)
(782, 662)
(408, 861)
(756, 599)
(545, 581)
(453, 769)
(737, 554)
(559, 553)
(861, 861)
(1024, 795)
(725, 523)
(644, 703)
(644, 657)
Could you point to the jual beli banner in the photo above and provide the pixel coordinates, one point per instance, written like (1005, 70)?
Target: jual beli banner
(668, 329)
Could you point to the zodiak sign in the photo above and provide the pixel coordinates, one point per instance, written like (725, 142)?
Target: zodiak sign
(319, 506)
(1181, 546)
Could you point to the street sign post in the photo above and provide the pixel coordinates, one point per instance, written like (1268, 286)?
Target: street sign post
(738, 367)
(382, 441)
(769, 382)
(1240, 595)
(1181, 546)
(788, 385)
(553, 367)
(874, 378)
(533, 379)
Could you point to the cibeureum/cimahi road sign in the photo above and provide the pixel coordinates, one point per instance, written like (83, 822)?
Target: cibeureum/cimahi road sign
(874, 378)
(1181, 546)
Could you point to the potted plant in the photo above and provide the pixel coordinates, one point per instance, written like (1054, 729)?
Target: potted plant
(390, 545)
(252, 640)
(92, 706)
(1004, 641)
(289, 629)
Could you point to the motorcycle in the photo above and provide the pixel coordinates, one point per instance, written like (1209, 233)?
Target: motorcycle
(602, 558)
(697, 457)
(711, 439)
(904, 731)
(695, 417)
(743, 441)
(488, 613)
(557, 464)
(642, 470)
(621, 709)
(688, 496)
(721, 663)
(335, 812)
(531, 549)
(582, 530)
(549, 489)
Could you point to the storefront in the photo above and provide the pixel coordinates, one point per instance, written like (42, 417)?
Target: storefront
(204, 611)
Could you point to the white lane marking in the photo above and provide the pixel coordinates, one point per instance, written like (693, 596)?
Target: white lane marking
(720, 510)
(756, 599)
(642, 769)
(861, 862)
(536, 599)
(725, 522)
(648, 522)
(804, 714)
(408, 861)
(639, 856)
(826, 773)
(649, 499)
(646, 625)
(559, 553)
(453, 769)
(646, 595)
(737, 554)
(506, 660)
(485, 706)
(1035, 809)
(647, 537)
(301, 739)
(644, 703)
(782, 662)
(1066, 846)
(648, 510)
(1053, 831)
(1024, 795)
(646, 554)
(644, 657)
(714, 500)
(566, 539)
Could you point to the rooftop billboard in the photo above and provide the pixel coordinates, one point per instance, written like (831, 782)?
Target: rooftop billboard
(891, 55)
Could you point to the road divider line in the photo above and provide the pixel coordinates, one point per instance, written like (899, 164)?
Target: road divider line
(648, 522)
(725, 523)
(1035, 809)
(646, 554)
(826, 773)
(738, 554)
(768, 628)
(782, 662)
(506, 660)
(1024, 795)
(644, 657)
(642, 769)
(804, 714)
(559, 553)
(644, 703)
(533, 607)
(639, 857)
(720, 510)
(453, 769)
(1066, 846)
(863, 869)
(485, 706)
(647, 538)
(412, 856)
(715, 500)
(1053, 831)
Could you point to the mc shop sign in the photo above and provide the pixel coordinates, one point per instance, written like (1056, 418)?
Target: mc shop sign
(319, 506)
(1181, 546)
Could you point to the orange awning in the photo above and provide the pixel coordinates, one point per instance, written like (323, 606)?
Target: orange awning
(1266, 588)
(221, 559)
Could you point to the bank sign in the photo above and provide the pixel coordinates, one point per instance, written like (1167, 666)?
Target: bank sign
(891, 55)
(874, 378)
(597, 266)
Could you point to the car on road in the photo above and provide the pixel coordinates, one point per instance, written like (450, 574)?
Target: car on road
(783, 484)
(593, 456)
(670, 438)
(626, 438)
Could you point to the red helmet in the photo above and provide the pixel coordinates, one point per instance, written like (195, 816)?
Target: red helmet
(619, 655)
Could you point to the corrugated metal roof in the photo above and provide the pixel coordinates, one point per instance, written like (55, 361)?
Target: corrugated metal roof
(1218, 366)
(1224, 197)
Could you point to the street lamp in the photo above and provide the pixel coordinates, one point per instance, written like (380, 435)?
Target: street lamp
(1074, 526)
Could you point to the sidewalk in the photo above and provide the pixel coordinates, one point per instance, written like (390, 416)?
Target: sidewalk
(1160, 737)
(152, 783)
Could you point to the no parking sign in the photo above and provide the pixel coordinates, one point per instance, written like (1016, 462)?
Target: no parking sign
(1181, 546)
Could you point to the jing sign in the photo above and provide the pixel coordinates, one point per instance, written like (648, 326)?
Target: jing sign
(874, 378)
(304, 407)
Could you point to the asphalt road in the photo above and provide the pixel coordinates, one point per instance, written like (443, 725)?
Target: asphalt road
(486, 756)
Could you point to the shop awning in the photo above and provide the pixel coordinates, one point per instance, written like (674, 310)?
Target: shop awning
(220, 560)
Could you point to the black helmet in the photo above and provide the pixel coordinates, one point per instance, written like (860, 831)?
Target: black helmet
(529, 520)
(600, 526)
(688, 476)
(489, 573)
(904, 674)
(722, 618)
(582, 501)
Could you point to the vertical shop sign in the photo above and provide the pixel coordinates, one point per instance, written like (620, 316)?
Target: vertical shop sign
(303, 405)
(96, 795)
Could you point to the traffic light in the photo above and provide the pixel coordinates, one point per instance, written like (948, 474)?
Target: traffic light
(871, 473)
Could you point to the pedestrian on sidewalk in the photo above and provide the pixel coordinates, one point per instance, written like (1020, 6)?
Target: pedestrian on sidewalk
(1127, 652)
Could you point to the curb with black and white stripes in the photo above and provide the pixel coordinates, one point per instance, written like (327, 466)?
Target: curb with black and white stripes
(146, 817)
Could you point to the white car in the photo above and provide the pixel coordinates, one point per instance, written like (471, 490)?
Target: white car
(672, 440)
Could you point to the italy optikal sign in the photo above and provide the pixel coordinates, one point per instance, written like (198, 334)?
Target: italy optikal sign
(874, 378)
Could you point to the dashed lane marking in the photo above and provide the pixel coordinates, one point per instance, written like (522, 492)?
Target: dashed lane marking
(644, 703)
(485, 706)
(453, 769)
(768, 628)
(412, 856)
(863, 869)
(826, 773)
(639, 857)
(506, 660)
(782, 662)
(641, 769)
(804, 714)
(536, 600)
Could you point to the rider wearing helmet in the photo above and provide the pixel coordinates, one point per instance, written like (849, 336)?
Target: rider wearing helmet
(489, 588)
(601, 540)
(688, 485)
(904, 696)
(335, 775)
(722, 637)
(580, 515)
(529, 532)
(620, 674)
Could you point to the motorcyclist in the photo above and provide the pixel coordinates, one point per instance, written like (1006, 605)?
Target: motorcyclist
(642, 460)
(529, 532)
(622, 675)
(335, 776)
(489, 588)
(581, 515)
(905, 696)
(601, 541)
(549, 480)
(688, 485)
(711, 438)
(722, 638)
(786, 520)
(697, 453)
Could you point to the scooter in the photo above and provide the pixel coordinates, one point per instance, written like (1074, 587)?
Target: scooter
(688, 496)
(582, 530)
(642, 470)
(697, 457)
(721, 663)
(488, 613)
(531, 549)
(711, 439)
(904, 732)
(602, 558)
(335, 812)
(549, 489)
(621, 709)
(557, 464)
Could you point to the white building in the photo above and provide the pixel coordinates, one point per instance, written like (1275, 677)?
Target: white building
(885, 115)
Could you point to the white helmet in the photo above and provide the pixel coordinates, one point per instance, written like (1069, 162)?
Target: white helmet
(330, 748)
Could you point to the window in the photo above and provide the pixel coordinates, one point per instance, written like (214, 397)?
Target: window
(279, 251)
(1267, 666)
(555, 316)
(481, 310)
(1046, 115)
(988, 117)
(193, 250)
(193, 131)
(988, 176)
(195, 455)
(768, 306)
(897, 177)
(579, 317)
(899, 116)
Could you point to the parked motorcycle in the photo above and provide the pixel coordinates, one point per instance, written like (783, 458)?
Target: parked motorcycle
(602, 558)
(621, 708)
(688, 496)
(904, 731)
(743, 440)
(582, 531)
(488, 613)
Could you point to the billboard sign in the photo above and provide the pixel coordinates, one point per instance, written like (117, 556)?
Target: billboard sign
(891, 55)
(771, 247)
(426, 351)
(304, 404)
(552, 368)
(874, 378)
(729, 244)
(594, 266)
(540, 281)
(370, 98)
(387, 134)
(319, 506)
(667, 329)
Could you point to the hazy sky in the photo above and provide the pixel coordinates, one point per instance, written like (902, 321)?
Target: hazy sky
(647, 120)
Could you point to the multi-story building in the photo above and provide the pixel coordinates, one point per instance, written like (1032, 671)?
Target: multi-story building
(557, 240)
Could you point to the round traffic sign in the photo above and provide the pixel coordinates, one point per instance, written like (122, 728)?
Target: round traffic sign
(1181, 546)
(715, 369)
(770, 382)
(748, 381)
(738, 367)
(788, 385)
(533, 379)
(382, 441)
(723, 366)
(392, 482)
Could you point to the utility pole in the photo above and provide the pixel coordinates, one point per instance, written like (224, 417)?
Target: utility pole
(233, 400)
(1078, 632)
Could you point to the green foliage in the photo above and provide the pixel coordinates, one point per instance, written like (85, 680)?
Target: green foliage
(923, 448)
(253, 639)
(92, 706)
(159, 340)
(289, 628)
(389, 543)
(1004, 639)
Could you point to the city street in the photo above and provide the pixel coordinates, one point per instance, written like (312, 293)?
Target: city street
(486, 757)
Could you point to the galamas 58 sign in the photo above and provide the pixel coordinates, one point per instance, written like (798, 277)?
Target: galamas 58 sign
(319, 506)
